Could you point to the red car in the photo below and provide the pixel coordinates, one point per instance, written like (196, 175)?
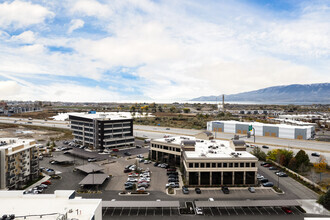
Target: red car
(47, 182)
(115, 150)
(267, 165)
(287, 210)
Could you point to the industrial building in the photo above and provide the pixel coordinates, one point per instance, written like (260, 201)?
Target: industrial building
(61, 205)
(102, 130)
(261, 129)
(207, 162)
(19, 162)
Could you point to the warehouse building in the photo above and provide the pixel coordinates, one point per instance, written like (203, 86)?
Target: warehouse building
(104, 130)
(19, 162)
(207, 162)
(261, 129)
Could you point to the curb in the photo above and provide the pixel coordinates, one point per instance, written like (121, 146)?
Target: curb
(129, 194)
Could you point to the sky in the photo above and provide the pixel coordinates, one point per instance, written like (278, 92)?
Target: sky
(155, 50)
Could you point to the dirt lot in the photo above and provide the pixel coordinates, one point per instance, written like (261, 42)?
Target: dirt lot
(41, 135)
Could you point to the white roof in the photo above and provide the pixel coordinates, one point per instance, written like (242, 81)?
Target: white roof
(15, 142)
(211, 149)
(15, 202)
(104, 115)
(263, 124)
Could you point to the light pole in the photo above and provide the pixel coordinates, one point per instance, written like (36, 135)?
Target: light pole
(278, 181)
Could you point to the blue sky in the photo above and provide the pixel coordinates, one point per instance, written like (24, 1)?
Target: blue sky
(135, 50)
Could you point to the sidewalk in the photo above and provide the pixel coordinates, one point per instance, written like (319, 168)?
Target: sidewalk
(46, 177)
(312, 207)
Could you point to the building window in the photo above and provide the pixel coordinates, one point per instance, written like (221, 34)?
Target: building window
(230, 164)
(214, 165)
(177, 149)
(208, 165)
(196, 165)
(247, 164)
(191, 165)
(170, 148)
(236, 164)
(219, 164)
(165, 147)
(224, 164)
(202, 165)
(253, 164)
(241, 165)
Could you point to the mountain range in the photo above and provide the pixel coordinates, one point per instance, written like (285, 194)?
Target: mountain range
(295, 93)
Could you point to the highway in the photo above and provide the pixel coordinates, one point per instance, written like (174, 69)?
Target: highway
(158, 132)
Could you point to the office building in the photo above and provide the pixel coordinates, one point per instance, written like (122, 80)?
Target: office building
(106, 130)
(61, 205)
(207, 162)
(19, 162)
(261, 129)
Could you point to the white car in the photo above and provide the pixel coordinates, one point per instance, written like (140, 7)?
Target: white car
(199, 211)
(145, 179)
(130, 179)
(133, 174)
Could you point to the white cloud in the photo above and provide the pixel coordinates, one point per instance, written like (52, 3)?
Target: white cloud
(8, 89)
(90, 8)
(21, 14)
(75, 24)
(25, 37)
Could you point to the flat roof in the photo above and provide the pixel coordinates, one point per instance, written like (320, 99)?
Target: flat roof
(246, 203)
(140, 204)
(90, 168)
(12, 143)
(104, 115)
(62, 159)
(94, 179)
(212, 149)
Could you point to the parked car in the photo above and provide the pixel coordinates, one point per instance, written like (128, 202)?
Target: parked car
(282, 174)
(272, 168)
(138, 146)
(127, 154)
(47, 182)
(91, 160)
(133, 174)
(287, 210)
(266, 147)
(172, 172)
(259, 177)
(129, 187)
(156, 164)
(252, 189)
(127, 170)
(263, 163)
(171, 169)
(129, 183)
(225, 190)
(315, 154)
(198, 190)
(141, 189)
(140, 156)
(185, 190)
(264, 180)
(173, 180)
(267, 165)
(198, 211)
(130, 179)
(145, 185)
(268, 184)
(115, 150)
(172, 184)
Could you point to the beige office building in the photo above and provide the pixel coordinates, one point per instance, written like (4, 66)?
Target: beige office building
(207, 162)
(19, 162)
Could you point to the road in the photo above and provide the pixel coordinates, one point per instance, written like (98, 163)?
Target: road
(158, 132)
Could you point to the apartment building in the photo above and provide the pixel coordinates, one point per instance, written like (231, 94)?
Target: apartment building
(62, 205)
(19, 162)
(207, 162)
(102, 130)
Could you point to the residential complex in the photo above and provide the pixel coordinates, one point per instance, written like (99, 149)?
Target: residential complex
(207, 162)
(102, 130)
(61, 205)
(261, 129)
(19, 162)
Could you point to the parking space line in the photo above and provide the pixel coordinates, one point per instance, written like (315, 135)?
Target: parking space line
(105, 211)
(211, 212)
(235, 210)
(129, 212)
(145, 214)
(251, 210)
(243, 210)
(113, 211)
(258, 210)
(266, 210)
(227, 211)
(274, 210)
(138, 211)
(219, 211)
(121, 211)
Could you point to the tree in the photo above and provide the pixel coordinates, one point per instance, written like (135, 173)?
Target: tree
(325, 200)
(172, 109)
(302, 158)
(261, 155)
(186, 110)
(293, 164)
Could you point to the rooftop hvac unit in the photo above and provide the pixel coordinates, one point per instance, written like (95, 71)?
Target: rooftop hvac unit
(203, 155)
(222, 145)
(211, 151)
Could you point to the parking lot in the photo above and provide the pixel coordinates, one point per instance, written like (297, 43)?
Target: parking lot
(236, 193)
(140, 212)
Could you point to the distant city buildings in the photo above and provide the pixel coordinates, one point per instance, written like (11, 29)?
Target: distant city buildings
(261, 129)
(19, 162)
(8, 108)
(207, 162)
(102, 130)
(61, 205)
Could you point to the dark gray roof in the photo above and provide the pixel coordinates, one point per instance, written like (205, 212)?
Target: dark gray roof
(244, 203)
(188, 142)
(208, 133)
(90, 168)
(238, 142)
(62, 159)
(137, 204)
(94, 179)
